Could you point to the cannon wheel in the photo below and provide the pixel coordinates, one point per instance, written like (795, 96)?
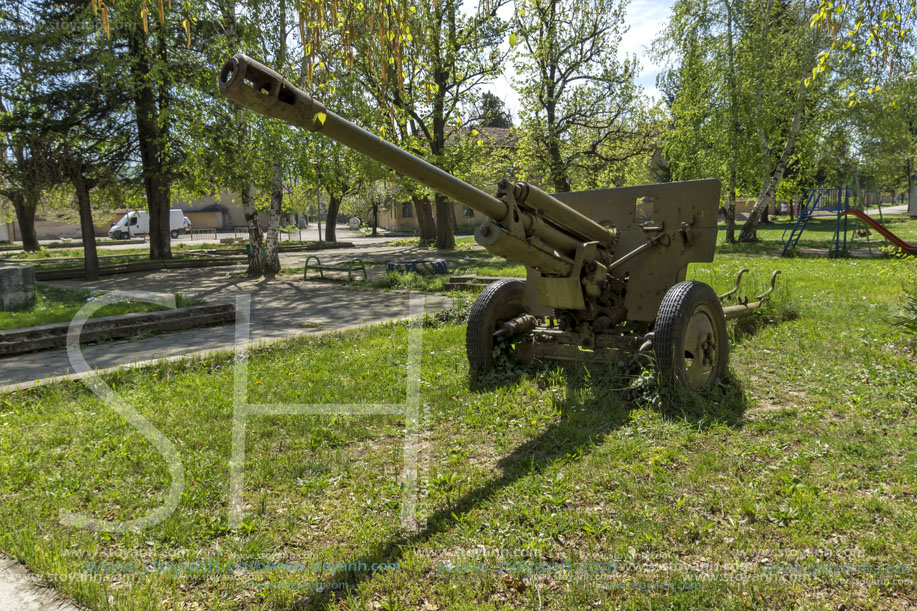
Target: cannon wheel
(689, 340)
(497, 303)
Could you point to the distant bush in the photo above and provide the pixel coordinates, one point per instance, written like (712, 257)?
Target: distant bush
(411, 281)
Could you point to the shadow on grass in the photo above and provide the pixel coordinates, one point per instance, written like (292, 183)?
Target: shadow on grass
(596, 401)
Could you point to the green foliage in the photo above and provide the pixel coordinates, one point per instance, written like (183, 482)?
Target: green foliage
(411, 281)
(908, 320)
(493, 112)
(878, 34)
(580, 108)
(732, 92)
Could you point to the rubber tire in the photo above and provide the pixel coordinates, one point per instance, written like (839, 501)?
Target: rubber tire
(497, 303)
(678, 306)
(174, 234)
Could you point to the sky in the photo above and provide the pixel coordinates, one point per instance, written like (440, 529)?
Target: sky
(645, 19)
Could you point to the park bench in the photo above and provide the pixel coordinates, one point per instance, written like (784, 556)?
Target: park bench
(353, 263)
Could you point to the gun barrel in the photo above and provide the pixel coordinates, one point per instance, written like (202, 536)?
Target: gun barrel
(255, 86)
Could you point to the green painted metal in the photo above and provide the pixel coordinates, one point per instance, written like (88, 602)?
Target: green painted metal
(355, 262)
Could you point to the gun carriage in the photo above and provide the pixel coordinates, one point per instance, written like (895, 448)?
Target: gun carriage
(605, 269)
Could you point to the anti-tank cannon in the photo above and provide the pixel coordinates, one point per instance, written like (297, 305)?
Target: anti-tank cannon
(605, 268)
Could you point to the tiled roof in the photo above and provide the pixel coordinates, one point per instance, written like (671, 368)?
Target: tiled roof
(502, 137)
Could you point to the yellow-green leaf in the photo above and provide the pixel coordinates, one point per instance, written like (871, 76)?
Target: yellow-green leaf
(321, 117)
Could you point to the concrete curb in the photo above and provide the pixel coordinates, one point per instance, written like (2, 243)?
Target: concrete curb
(20, 590)
(199, 354)
(74, 273)
(44, 337)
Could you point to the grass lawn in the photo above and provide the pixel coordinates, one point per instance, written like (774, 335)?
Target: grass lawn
(60, 305)
(794, 484)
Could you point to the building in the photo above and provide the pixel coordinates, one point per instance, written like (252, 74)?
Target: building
(401, 216)
(216, 211)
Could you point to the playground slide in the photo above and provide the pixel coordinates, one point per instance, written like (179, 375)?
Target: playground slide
(888, 235)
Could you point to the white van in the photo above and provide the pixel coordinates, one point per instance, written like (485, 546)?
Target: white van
(138, 223)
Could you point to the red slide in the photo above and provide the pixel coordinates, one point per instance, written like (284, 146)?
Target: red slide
(888, 235)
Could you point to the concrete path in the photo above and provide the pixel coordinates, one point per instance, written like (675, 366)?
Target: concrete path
(19, 590)
(896, 209)
(280, 308)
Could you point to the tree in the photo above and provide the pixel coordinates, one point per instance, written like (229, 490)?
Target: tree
(84, 109)
(26, 174)
(149, 80)
(741, 97)
(226, 144)
(492, 112)
(338, 173)
(272, 264)
(788, 47)
(25, 164)
(877, 33)
(886, 134)
(71, 100)
(449, 56)
(577, 97)
(707, 94)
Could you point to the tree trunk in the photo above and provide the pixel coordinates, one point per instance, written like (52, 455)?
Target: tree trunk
(87, 229)
(911, 192)
(148, 136)
(769, 189)
(256, 258)
(729, 211)
(445, 237)
(423, 211)
(25, 215)
(556, 167)
(247, 187)
(375, 217)
(729, 214)
(444, 64)
(272, 264)
(558, 174)
(331, 219)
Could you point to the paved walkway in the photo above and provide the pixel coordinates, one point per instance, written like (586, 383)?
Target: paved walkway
(19, 590)
(280, 308)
